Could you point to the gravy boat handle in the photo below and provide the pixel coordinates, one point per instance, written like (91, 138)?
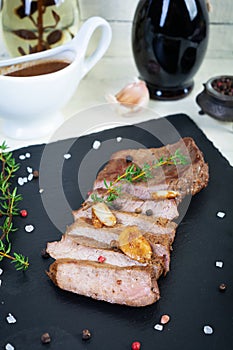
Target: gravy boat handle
(82, 39)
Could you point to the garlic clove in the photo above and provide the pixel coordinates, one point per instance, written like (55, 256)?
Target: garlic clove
(166, 194)
(131, 98)
(134, 245)
(102, 215)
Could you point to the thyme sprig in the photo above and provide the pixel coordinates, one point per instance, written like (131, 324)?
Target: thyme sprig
(134, 173)
(9, 200)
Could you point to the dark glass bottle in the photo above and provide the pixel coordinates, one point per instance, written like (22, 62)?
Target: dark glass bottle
(169, 41)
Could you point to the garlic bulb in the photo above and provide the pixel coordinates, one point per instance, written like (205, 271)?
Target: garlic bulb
(131, 98)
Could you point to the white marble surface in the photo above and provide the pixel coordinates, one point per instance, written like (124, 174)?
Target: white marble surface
(110, 75)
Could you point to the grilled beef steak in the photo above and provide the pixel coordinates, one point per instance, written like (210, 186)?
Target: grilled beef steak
(143, 208)
(106, 235)
(144, 222)
(132, 286)
(186, 179)
(67, 248)
(166, 209)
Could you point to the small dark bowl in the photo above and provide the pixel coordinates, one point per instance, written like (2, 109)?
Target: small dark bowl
(214, 102)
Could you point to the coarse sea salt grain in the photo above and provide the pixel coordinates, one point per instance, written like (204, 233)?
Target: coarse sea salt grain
(208, 330)
(20, 181)
(0, 283)
(29, 228)
(158, 327)
(25, 179)
(221, 214)
(67, 156)
(219, 264)
(96, 144)
(30, 177)
(9, 347)
(28, 155)
(119, 139)
(22, 157)
(10, 318)
(29, 169)
(41, 190)
(1, 271)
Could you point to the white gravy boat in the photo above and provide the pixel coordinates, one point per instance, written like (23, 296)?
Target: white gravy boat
(30, 105)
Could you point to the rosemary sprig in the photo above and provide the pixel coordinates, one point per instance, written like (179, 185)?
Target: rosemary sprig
(134, 173)
(9, 200)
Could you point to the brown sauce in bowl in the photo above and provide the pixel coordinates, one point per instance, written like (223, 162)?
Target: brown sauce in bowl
(42, 68)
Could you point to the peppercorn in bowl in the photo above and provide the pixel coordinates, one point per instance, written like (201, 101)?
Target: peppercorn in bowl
(216, 99)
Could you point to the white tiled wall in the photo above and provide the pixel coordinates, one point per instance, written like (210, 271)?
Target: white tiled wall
(120, 14)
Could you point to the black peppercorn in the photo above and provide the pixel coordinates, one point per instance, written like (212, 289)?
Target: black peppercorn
(35, 174)
(223, 86)
(129, 159)
(44, 254)
(45, 338)
(86, 334)
(138, 210)
(114, 244)
(222, 287)
(149, 212)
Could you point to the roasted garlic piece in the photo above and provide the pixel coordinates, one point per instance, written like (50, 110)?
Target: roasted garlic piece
(134, 244)
(102, 215)
(166, 194)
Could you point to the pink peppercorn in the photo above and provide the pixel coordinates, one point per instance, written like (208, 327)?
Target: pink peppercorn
(101, 259)
(136, 345)
(23, 213)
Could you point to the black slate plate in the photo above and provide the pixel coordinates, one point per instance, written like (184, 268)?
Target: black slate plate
(189, 293)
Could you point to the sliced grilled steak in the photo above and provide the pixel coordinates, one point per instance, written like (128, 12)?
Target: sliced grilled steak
(166, 208)
(121, 279)
(144, 222)
(67, 248)
(83, 227)
(186, 179)
(132, 286)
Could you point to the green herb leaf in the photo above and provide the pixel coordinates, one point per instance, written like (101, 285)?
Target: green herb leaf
(9, 209)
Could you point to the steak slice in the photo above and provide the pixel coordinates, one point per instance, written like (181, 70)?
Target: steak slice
(186, 179)
(144, 222)
(166, 209)
(132, 286)
(67, 248)
(83, 227)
